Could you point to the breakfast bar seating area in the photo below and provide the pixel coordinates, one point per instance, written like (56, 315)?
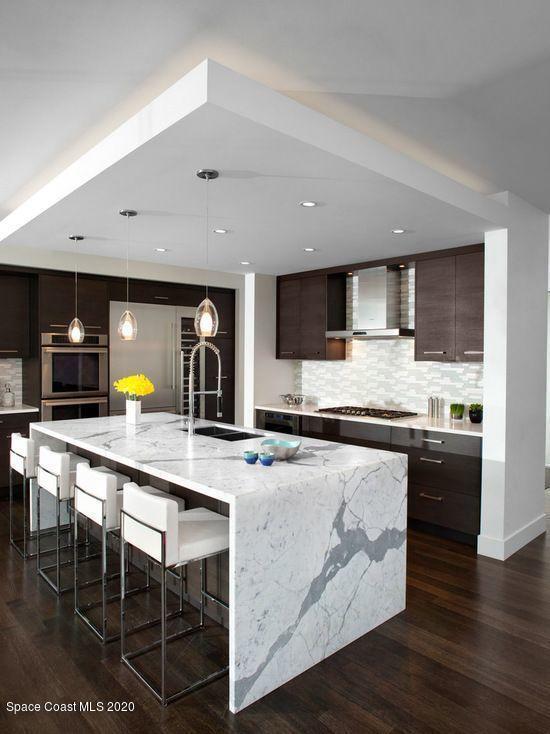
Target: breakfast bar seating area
(346, 505)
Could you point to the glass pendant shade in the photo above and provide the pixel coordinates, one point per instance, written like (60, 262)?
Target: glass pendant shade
(206, 319)
(127, 326)
(76, 331)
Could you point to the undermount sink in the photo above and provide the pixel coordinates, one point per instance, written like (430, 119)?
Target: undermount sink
(212, 431)
(236, 436)
(225, 434)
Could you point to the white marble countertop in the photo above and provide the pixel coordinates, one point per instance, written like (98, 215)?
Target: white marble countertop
(20, 408)
(159, 447)
(421, 422)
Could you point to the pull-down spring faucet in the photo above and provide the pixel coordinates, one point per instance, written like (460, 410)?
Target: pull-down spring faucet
(193, 392)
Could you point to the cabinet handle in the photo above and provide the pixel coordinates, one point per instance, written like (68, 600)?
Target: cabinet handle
(59, 326)
(431, 461)
(9, 351)
(434, 352)
(432, 440)
(472, 351)
(161, 298)
(433, 497)
(287, 352)
(89, 326)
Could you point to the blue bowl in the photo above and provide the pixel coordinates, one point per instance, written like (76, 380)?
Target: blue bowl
(251, 457)
(267, 459)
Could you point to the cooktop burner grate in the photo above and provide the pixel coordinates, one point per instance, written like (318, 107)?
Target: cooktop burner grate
(368, 412)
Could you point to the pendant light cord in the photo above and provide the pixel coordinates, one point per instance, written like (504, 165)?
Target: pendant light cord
(206, 276)
(75, 279)
(127, 251)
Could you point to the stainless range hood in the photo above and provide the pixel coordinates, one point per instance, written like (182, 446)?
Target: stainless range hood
(380, 304)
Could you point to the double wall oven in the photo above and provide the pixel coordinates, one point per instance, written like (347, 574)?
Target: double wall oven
(75, 377)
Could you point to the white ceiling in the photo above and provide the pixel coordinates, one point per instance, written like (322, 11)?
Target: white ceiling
(461, 86)
(263, 177)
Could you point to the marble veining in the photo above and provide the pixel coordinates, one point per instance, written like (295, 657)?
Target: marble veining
(317, 544)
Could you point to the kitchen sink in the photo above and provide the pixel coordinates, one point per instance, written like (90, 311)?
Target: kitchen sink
(225, 434)
(236, 436)
(213, 431)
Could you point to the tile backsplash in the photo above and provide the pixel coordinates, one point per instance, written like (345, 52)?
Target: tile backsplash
(11, 371)
(383, 373)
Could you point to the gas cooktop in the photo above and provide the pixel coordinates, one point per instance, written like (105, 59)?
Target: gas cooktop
(367, 412)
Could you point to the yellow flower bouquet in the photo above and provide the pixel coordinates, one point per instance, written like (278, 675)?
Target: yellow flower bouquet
(134, 387)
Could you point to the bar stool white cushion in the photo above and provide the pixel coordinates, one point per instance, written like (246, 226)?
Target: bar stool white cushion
(54, 466)
(25, 460)
(102, 484)
(202, 533)
(189, 535)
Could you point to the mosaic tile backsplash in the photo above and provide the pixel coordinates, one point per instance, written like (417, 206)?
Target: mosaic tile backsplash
(384, 374)
(11, 371)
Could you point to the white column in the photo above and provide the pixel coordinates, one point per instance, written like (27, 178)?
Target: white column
(516, 280)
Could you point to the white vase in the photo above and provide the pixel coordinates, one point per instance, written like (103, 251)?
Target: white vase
(133, 411)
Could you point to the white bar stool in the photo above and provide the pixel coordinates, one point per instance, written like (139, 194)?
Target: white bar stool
(172, 540)
(98, 496)
(56, 474)
(22, 461)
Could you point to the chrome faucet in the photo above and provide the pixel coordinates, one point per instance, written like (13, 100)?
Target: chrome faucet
(192, 392)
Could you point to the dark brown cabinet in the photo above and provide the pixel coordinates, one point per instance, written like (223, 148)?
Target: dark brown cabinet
(307, 308)
(435, 310)
(57, 303)
(14, 324)
(370, 435)
(469, 307)
(449, 309)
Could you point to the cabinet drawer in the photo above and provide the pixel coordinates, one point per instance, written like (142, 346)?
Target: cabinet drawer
(444, 471)
(435, 441)
(360, 434)
(442, 507)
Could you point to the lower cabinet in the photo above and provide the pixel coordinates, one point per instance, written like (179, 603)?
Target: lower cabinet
(444, 470)
(11, 423)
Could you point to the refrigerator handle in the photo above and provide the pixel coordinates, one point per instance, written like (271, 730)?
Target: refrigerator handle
(173, 354)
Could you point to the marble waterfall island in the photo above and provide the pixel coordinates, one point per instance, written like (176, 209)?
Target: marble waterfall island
(317, 544)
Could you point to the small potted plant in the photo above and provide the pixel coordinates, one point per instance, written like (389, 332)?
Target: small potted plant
(134, 387)
(457, 411)
(476, 412)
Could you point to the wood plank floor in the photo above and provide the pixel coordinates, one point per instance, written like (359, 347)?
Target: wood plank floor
(470, 654)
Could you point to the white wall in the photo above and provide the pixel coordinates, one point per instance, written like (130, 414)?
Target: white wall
(266, 377)
(57, 260)
(516, 267)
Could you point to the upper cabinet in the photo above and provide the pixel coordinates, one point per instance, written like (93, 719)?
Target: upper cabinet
(449, 309)
(307, 307)
(57, 303)
(469, 307)
(15, 322)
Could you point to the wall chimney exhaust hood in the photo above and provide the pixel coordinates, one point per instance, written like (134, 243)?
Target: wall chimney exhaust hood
(380, 303)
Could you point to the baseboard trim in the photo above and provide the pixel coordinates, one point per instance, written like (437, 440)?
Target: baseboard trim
(503, 548)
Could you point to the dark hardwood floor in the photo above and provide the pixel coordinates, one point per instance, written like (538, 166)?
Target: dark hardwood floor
(470, 654)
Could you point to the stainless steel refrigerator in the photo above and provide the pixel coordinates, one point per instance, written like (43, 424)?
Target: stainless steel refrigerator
(165, 338)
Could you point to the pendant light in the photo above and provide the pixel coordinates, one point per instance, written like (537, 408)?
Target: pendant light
(127, 325)
(206, 318)
(75, 332)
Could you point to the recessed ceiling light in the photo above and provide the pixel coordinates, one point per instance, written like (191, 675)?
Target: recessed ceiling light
(245, 262)
(308, 203)
(219, 231)
(398, 231)
(161, 249)
(309, 249)
(401, 265)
